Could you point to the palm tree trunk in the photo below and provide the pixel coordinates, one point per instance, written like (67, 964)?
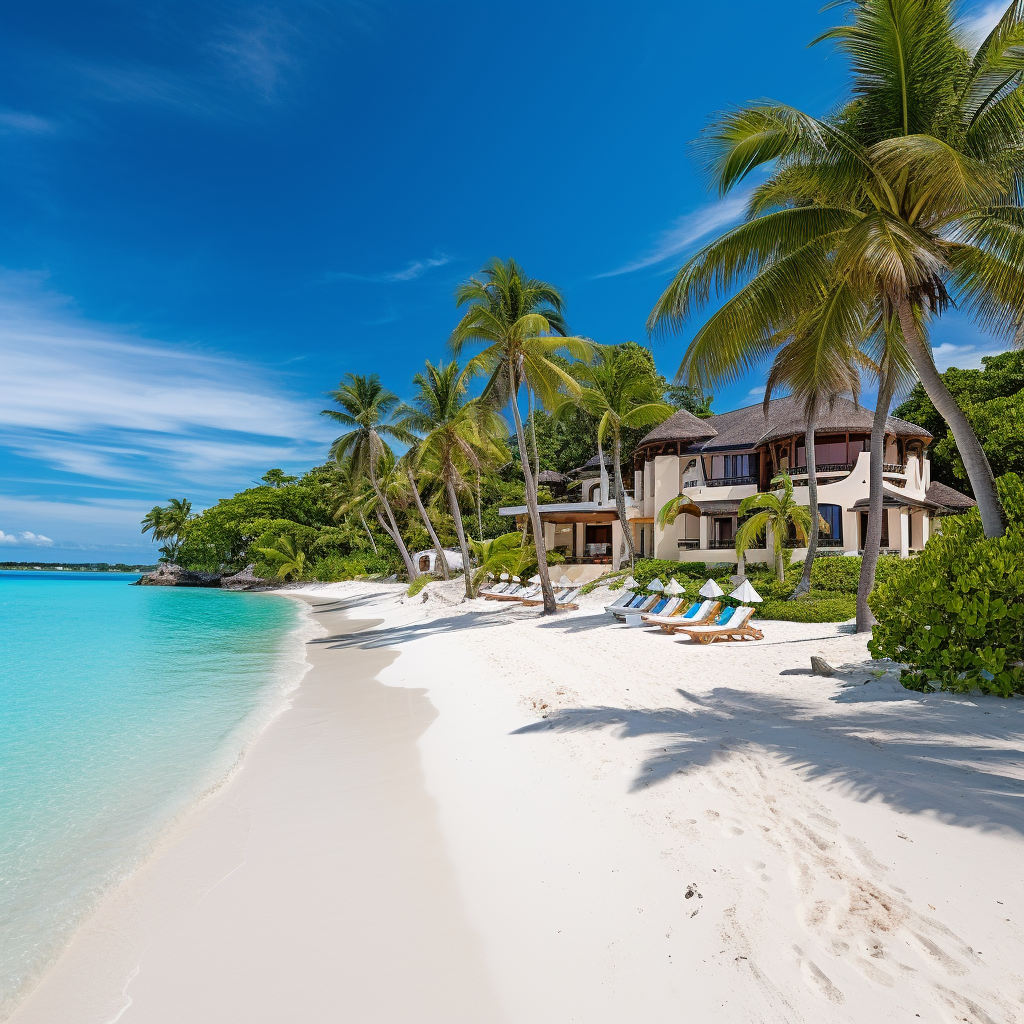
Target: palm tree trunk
(604, 472)
(453, 501)
(804, 585)
(873, 539)
(531, 504)
(975, 461)
(620, 501)
(479, 506)
(362, 519)
(394, 533)
(438, 550)
(533, 436)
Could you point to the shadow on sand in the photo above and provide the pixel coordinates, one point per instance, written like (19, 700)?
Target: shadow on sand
(932, 754)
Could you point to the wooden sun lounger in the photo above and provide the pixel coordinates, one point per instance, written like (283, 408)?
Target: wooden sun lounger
(646, 604)
(522, 594)
(737, 628)
(563, 601)
(672, 623)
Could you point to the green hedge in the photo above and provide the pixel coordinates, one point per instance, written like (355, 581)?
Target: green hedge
(955, 614)
(817, 607)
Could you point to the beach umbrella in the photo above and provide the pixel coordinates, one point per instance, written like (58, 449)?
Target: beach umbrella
(565, 581)
(630, 584)
(710, 590)
(745, 592)
(504, 575)
(535, 580)
(656, 585)
(674, 589)
(516, 579)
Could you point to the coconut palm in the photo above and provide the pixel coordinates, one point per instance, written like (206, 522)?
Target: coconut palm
(458, 435)
(620, 388)
(169, 522)
(519, 322)
(354, 494)
(816, 368)
(288, 559)
(776, 512)
(911, 193)
(408, 464)
(368, 408)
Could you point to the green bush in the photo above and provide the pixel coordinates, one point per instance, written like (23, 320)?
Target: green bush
(818, 607)
(955, 614)
(419, 583)
(360, 564)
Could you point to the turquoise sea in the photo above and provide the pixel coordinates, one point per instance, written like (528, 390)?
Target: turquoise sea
(120, 707)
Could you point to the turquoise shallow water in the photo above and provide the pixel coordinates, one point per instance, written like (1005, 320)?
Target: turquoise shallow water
(120, 706)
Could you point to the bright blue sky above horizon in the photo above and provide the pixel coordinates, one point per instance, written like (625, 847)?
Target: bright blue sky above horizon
(214, 210)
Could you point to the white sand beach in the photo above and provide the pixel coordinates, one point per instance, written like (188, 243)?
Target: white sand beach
(471, 813)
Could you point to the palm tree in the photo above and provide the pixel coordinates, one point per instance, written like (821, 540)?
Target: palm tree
(458, 435)
(620, 388)
(169, 522)
(408, 463)
(817, 369)
(289, 559)
(774, 511)
(354, 493)
(912, 191)
(519, 321)
(368, 407)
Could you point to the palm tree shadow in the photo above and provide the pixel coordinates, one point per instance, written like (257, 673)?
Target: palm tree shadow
(938, 757)
(394, 636)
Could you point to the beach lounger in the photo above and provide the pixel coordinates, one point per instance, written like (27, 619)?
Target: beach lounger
(642, 603)
(625, 598)
(735, 627)
(694, 615)
(564, 600)
(512, 595)
(498, 588)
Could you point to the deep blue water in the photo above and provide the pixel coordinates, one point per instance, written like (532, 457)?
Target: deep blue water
(120, 706)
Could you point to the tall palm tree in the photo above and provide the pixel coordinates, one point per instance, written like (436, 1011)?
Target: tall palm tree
(816, 369)
(368, 408)
(772, 512)
(169, 522)
(519, 322)
(408, 465)
(620, 388)
(459, 435)
(354, 493)
(911, 192)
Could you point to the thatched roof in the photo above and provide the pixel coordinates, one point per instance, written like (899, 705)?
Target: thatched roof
(895, 499)
(680, 426)
(950, 499)
(549, 476)
(749, 427)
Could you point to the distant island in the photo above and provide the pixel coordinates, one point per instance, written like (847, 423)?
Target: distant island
(77, 566)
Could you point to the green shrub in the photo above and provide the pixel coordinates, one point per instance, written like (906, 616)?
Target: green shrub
(820, 607)
(955, 614)
(419, 583)
(360, 564)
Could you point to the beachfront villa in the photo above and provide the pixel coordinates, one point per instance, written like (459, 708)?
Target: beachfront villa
(718, 461)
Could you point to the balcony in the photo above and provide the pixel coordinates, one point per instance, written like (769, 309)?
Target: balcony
(894, 467)
(823, 542)
(722, 545)
(689, 544)
(826, 467)
(692, 483)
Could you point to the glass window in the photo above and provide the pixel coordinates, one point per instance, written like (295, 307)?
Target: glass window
(833, 515)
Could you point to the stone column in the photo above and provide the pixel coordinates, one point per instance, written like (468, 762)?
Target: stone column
(904, 533)
(926, 523)
(704, 525)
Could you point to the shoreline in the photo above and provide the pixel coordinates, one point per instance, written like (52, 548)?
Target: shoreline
(608, 825)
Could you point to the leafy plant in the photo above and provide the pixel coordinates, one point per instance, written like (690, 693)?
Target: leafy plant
(419, 583)
(288, 559)
(776, 511)
(955, 614)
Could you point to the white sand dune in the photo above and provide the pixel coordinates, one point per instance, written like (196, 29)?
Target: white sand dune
(556, 820)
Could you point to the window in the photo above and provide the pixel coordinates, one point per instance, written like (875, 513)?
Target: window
(833, 515)
(727, 467)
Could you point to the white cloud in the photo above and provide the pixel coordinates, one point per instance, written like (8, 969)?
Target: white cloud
(410, 272)
(19, 121)
(102, 402)
(25, 539)
(686, 230)
(981, 22)
(964, 357)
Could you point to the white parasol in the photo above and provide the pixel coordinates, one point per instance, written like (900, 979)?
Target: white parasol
(565, 581)
(745, 592)
(710, 589)
(656, 585)
(535, 580)
(630, 584)
(674, 589)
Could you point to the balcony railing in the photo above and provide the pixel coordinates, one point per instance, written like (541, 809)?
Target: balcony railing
(893, 467)
(721, 545)
(692, 483)
(827, 467)
(688, 545)
(823, 542)
(730, 481)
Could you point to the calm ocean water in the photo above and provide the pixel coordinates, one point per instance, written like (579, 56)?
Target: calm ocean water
(120, 706)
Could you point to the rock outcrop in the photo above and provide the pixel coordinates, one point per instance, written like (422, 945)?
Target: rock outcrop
(247, 580)
(171, 575)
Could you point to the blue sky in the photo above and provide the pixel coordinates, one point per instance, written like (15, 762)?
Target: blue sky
(214, 210)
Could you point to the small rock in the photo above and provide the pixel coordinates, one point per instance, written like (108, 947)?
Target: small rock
(820, 667)
(170, 575)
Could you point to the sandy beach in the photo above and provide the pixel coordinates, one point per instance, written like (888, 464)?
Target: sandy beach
(471, 813)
